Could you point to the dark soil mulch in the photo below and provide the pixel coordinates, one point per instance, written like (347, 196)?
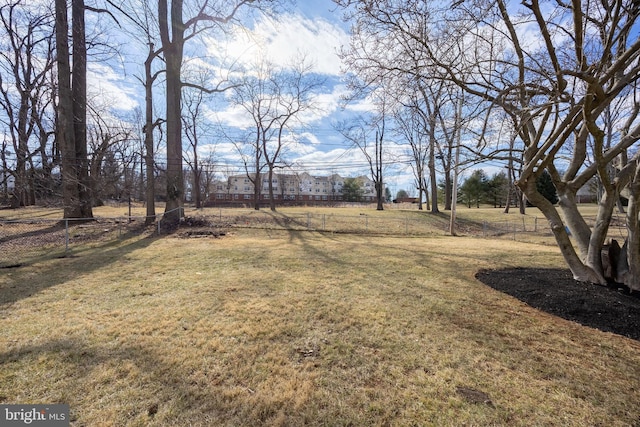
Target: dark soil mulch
(608, 308)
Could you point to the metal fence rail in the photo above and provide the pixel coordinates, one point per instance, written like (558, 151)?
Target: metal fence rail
(27, 240)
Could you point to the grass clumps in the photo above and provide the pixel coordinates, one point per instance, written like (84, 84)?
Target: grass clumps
(270, 327)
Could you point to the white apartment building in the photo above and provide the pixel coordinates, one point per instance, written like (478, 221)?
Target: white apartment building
(287, 188)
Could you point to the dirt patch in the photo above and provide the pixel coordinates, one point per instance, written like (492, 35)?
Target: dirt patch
(196, 233)
(608, 308)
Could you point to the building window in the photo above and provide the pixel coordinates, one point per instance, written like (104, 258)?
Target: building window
(246, 196)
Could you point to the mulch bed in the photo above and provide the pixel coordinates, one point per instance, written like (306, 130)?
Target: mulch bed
(607, 308)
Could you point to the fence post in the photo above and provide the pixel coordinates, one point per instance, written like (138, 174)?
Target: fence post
(308, 220)
(535, 224)
(406, 225)
(515, 227)
(484, 229)
(66, 235)
(323, 222)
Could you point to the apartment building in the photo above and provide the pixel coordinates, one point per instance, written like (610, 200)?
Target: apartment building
(287, 189)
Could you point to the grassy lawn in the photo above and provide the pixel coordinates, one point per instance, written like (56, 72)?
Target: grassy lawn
(270, 327)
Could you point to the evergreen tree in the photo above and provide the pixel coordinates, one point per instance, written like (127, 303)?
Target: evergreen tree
(352, 190)
(402, 194)
(474, 188)
(545, 186)
(497, 189)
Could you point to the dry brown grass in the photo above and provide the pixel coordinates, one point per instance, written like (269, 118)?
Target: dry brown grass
(268, 327)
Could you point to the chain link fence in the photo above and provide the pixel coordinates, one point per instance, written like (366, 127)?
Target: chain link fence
(27, 240)
(533, 228)
(409, 224)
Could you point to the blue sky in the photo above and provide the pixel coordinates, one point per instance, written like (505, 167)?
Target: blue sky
(313, 28)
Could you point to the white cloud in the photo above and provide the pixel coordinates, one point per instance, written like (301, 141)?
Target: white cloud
(283, 39)
(311, 137)
(233, 116)
(105, 84)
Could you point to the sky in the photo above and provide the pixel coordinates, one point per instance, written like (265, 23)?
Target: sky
(311, 28)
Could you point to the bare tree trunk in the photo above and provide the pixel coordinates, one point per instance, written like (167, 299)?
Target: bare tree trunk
(510, 172)
(65, 134)
(272, 201)
(21, 183)
(632, 278)
(379, 184)
(257, 179)
(197, 188)
(447, 190)
(172, 36)
(79, 93)
(574, 220)
(600, 230)
(432, 160)
(508, 202)
(522, 205)
(580, 271)
(150, 189)
(175, 179)
(434, 191)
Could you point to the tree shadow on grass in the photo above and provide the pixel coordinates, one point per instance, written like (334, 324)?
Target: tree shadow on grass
(607, 308)
(80, 364)
(59, 270)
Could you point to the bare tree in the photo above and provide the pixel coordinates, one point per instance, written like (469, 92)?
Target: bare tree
(175, 31)
(274, 100)
(556, 91)
(64, 123)
(26, 61)
(409, 127)
(111, 154)
(251, 95)
(196, 128)
(72, 109)
(145, 22)
(360, 133)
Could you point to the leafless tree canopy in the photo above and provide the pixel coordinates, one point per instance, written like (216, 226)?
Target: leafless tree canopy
(563, 73)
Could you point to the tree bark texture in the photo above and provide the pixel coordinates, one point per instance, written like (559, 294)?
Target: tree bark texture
(172, 36)
(79, 95)
(64, 127)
